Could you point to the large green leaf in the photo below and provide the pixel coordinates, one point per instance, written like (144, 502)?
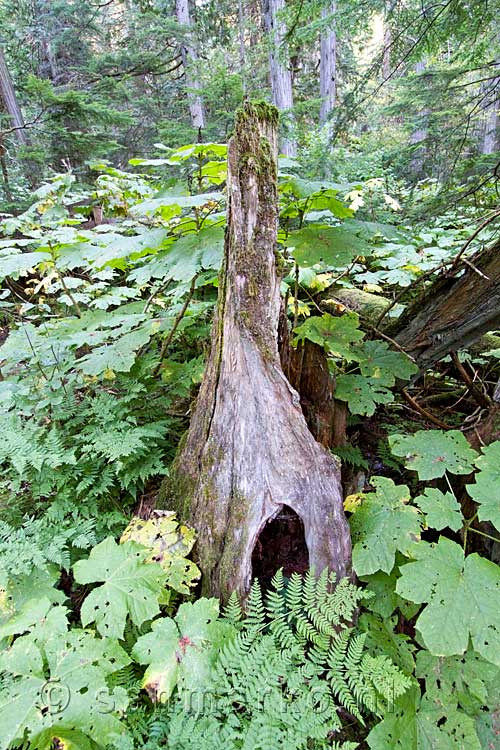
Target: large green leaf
(178, 649)
(380, 363)
(462, 595)
(468, 680)
(431, 453)
(130, 586)
(171, 198)
(336, 335)
(187, 256)
(362, 394)
(486, 488)
(195, 252)
(416, 724)
(383, 524)
(334, 247)
(118, 355)
(15, 264)
(441, 509)
(61, 682)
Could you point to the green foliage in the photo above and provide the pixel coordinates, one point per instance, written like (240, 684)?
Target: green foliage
(379, 366)
(131, 586)
(485, 488)
(297, 644)
(432, 453)
(383, 524)
(441, 509)
(177, 651)
(443, 579)
(58, 681)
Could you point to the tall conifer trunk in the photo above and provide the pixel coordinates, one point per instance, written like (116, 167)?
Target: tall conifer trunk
(189, 59)
(248, 451)
(328, 65)
(279, 68)
(9, 99)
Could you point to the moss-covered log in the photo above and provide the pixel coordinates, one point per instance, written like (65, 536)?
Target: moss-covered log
(248, 451)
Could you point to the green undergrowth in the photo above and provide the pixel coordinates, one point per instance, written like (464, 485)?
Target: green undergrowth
(105, 645)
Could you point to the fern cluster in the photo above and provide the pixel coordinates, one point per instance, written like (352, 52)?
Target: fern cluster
(283, 677)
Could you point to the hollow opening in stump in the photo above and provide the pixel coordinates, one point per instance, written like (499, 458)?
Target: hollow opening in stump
(280, 544)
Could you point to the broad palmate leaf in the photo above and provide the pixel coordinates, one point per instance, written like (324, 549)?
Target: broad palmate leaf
(60, 683)
(383, 524)
(462, 595)
(130, 586)
(486, 489)
(431, 453)
(176, 649)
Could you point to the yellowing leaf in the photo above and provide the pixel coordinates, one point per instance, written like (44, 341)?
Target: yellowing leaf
(169, 545)
(352, 502)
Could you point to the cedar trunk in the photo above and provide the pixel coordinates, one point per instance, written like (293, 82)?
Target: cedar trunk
(248, 451)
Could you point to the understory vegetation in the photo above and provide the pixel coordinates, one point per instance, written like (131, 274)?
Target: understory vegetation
(112, 238)
(108, 327)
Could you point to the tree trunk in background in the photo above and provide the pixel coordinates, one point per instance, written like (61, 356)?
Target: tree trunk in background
(9, 99)
(328, 65)
(189, 59)
(454, 312)
(490, 140)
(248, 451)
(241, 43)
(386, 54)
(417, 138)
(280, 73)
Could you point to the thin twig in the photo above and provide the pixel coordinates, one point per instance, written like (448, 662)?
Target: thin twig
(481, 398)
(177, 321)
(427, 414)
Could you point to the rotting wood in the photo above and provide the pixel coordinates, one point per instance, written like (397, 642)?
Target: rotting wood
(248, 451)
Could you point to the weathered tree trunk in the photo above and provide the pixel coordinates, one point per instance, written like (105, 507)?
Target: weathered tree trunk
(248, 451)
(9, 99)
(490, 137)
(454, 312)
(328, 64)
(189, 60)
(279, 69)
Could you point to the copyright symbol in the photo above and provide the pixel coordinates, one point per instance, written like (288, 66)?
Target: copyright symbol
(55, 696)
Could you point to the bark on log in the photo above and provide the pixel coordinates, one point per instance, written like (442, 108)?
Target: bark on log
(454, 312)
(248, 451)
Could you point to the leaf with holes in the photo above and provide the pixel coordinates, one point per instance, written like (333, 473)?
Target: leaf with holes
(442, 510)
(468, 680)
(380, 363)
(336, 335)
(431, 453)
(130, 586)
(486, 488)
(462, 598)
(382, 525)
(60, 681)
(333, 247)
(177, 650)
(362, 394)
(419, 724)
(169, 544)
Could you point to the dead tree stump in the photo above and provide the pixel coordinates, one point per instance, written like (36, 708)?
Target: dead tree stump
(248, 451)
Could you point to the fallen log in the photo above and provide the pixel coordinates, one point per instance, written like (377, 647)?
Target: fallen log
(454, 312)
